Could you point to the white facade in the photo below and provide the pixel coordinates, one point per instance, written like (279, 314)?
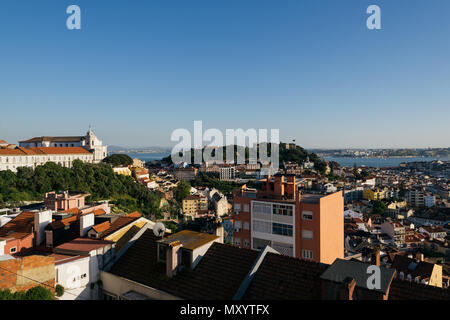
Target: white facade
(227, 173)
(265, 226)
(14, 160)
(96, 146)
(2, 247)
(38, 151)
(74, 277)
(41, 220)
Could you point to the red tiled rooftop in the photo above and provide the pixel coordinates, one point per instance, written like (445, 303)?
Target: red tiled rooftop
(83, 245)
(62, 258)
(19, 227)
(101, 227)
(120, 223)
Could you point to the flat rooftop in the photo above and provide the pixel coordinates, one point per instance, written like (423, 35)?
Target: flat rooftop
(190, 239)
(311, 198)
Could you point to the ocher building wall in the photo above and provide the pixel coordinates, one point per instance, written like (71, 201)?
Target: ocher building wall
(331, 227)
(21, 270)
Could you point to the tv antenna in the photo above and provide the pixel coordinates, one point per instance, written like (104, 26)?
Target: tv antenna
(159, 229)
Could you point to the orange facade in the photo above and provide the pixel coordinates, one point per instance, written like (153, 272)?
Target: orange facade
(318, 226)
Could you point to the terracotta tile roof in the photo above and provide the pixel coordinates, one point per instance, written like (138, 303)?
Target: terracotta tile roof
(2, 141)
(99, 212)
(190, 239)
(281, 277)
(406, 290)
(43, 151)
(120, 223)
(82, 245)
(58, 224)
(61, 150)
(12, 152)
(62, 258)
(72, 210)
(19, 227)
(101, 227)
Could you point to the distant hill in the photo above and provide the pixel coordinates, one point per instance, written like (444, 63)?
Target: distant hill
(298, 155)
(119, 149)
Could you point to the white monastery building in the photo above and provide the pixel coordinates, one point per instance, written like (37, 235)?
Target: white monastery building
(60, 150)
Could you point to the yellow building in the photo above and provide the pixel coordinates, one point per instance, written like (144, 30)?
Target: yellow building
(125, 171)
(193, 204)
(370, 194)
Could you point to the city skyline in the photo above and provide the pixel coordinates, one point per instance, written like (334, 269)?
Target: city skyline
(136, 73)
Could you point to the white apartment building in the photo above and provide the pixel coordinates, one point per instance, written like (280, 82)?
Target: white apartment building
(276, 230)
(415, 198)
(227, 173)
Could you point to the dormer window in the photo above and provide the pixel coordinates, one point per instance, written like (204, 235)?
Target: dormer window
(162, 252)
(186, 258)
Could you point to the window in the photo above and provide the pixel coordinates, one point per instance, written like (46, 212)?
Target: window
(282, 210)
(282, 229)
(246, 226)
(307, 215)
(307, 234)
(261, 226)
(237, 226)
(186, 258)
(259, 244)
(237, 241)
(237, 207)
(261, 208)
(307, 254)
(284, 248)
(162, 253)
(13, 249)
(246, 243)
(246, 208)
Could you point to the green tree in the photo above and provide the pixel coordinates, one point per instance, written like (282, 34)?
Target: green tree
(119, 160)
(36, 293)
(59, 290)
(182, 190)
(379, 207)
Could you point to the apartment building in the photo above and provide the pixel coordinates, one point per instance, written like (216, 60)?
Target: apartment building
(395, 231)
(415, 198)
(308, 226)
(227, 173)
(194, 204)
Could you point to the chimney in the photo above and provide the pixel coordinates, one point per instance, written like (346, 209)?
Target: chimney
(347, 289)
(86, 222)
(41, 220)
(172, 258)
(219, 231)
(290, 186)
(375, 257)
(419, 256)
(279, 186)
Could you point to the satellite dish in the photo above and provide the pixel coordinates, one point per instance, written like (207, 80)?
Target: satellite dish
(159, 229)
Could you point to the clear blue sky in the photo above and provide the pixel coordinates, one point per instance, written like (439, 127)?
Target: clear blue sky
(140, 69)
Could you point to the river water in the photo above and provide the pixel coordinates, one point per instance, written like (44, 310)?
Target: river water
(378, 162)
